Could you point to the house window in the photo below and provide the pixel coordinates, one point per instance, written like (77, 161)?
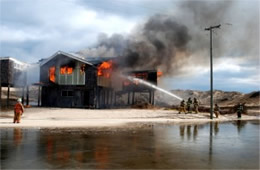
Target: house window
(66, 70)
(71, 74)
(63, 70)
(67, 93)
(52, 74)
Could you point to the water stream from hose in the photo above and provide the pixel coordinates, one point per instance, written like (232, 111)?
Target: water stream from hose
(134, 79)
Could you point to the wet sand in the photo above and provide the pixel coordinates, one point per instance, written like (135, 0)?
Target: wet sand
(85, 118)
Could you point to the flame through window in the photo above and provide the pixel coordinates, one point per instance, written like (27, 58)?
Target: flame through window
(82, 68)
(52, 74)
(105, 69)
(66, 70)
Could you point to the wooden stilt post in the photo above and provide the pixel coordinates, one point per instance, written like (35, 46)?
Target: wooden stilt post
(0, 93)
(23, 95)
(115, 98)
(128, 98)
(8, 95)
(97, 98)
(39, 90)
(133, 98)
(27, 95)
(40, 96)
(153, 97)
(111, 99)
(0, 84)
(150, 96)
(108, 93)
(104, 97)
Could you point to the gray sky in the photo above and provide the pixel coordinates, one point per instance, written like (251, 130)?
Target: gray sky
(35, 29)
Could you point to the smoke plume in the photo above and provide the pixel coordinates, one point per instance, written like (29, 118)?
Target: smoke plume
(173, 41)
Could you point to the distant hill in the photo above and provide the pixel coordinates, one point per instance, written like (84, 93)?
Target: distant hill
(221, 97)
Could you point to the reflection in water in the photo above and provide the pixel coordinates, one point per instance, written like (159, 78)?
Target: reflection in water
(101, 154)
(182, 131)
(195, 132)
(18, 136)
(210, 142)
(240, 125)
(203, 146)
(49, 147)
(189, 132)
(216, 129)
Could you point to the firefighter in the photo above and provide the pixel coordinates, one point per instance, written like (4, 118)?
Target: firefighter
(182, 107)
(18, 111)
(196, 105)
(189, 102)
(240, 110)
(217, 110)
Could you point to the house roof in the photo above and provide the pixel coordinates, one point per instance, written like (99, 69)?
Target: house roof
(98, 60)
(14, 60)
(70, 55)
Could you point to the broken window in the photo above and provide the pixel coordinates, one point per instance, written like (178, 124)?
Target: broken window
(82, 69)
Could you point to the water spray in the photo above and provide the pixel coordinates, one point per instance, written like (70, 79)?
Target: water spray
(134, 79)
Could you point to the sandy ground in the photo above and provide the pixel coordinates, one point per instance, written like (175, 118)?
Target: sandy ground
(84, 118)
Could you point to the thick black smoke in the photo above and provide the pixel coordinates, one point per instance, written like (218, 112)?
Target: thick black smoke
(162, 38)
(155, 46)
(171, 42)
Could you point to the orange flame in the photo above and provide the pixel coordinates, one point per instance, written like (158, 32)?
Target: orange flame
(69, 70)
(63, 70)
(159, 73)
(52, 74)
(105, 69)
(66, 70)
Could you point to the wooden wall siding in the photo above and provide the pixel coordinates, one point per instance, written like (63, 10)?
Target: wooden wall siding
(5, 72)
(90, 77)
(76, 78)
(80, 98)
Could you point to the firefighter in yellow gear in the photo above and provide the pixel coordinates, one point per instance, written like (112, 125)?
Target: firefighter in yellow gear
(18, 111)
(240, 110)
(217, 110)
(196, 105)
(182, 107)
(189, 102)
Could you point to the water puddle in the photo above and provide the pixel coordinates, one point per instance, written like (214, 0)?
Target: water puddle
(211, 145)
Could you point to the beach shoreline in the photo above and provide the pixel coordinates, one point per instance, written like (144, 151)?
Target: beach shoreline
(67, 118)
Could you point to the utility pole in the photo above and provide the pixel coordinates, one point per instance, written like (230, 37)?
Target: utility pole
(211, 68)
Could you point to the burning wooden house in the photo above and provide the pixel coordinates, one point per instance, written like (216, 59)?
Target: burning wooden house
(134, 86)
(69, 80)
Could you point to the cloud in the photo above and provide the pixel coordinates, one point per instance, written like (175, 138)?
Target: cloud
(10, 35)
(230, 73)
(251, 80)
(52, 25)
(34, 29)
(133, 9)
(234, 65)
